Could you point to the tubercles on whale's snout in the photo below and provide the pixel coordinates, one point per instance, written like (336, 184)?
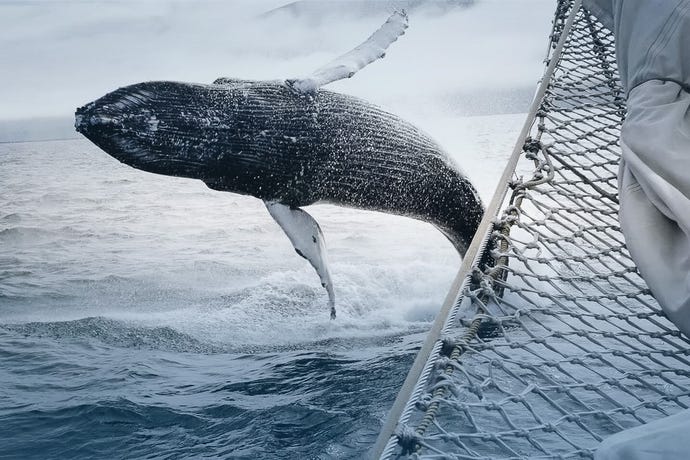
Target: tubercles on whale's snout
(81, 118)
(93, 115)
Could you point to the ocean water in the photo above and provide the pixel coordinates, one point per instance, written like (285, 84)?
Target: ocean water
(144, 316)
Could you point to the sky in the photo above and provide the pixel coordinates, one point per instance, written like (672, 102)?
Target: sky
(461, 60)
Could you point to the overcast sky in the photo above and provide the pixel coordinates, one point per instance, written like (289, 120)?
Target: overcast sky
(57, 55)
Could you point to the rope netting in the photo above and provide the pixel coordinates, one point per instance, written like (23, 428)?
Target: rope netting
(556, 343)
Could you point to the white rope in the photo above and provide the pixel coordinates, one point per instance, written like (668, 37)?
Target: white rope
(415, 379)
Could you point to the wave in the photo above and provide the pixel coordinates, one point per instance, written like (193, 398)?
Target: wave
(133, 335)
(96, 429)
(25, 234)
(34, 235)
(12, 218)
(116, 333)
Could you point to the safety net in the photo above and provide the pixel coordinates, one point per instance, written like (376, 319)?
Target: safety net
(549, 341)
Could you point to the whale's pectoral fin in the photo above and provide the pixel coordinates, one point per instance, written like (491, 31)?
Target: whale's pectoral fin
(345, 66)
(306, 236)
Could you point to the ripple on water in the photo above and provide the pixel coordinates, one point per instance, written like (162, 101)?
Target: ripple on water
(23, 235)
(12, 218)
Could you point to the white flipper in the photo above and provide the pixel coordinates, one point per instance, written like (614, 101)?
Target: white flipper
(305, 235)
(351, 62)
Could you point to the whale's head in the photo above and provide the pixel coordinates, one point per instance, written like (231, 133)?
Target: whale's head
(176, 129)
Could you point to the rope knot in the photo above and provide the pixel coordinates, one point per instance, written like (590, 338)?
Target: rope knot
(532, 146)
(408, 439)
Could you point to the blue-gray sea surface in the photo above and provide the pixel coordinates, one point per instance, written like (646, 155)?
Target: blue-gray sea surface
(144, 316)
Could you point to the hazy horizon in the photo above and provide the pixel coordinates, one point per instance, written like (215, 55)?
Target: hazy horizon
(454, 59)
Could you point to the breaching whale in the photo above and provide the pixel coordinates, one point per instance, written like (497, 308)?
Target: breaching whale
(290, 144)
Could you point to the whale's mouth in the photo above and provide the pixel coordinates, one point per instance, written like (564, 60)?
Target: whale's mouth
(120, 125)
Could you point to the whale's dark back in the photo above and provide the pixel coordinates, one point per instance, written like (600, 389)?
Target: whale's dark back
(264, 139)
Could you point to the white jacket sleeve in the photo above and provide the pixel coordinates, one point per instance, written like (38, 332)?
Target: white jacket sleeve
(653, 54)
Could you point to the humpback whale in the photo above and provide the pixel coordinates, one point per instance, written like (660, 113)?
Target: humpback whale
(290, 144)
